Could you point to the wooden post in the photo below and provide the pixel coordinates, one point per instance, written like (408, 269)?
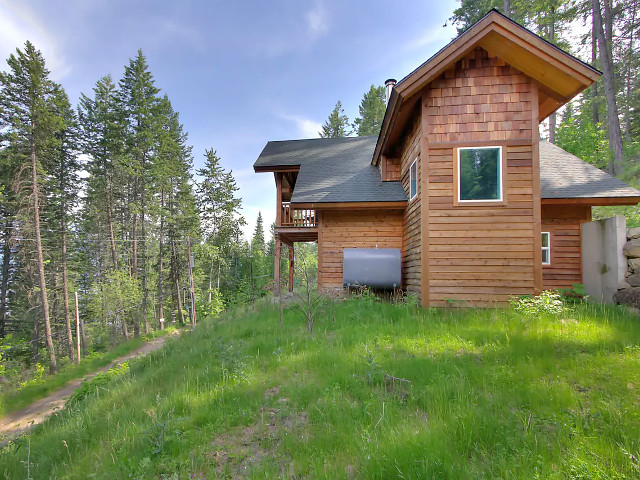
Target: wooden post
(192, 292)
(276, 268)
(278, 199)
(77, 329)
(291, 257)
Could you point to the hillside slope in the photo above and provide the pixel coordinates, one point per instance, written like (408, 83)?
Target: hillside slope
(491, 395)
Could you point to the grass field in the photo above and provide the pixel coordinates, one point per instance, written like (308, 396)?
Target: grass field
(492, 394)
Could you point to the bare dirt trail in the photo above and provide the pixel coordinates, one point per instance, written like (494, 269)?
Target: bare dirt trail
(20, 421)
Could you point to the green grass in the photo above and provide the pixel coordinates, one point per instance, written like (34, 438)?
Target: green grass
(492, 395)
(15, 399)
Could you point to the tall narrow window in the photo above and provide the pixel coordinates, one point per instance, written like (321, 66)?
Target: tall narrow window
(480, 174)
(546, 248)
(413, 179)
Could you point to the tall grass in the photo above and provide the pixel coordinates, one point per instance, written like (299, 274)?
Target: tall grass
(492, 394)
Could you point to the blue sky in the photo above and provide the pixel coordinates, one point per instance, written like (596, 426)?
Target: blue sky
(240, 73)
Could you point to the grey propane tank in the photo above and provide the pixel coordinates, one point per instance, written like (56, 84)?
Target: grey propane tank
(373, 267)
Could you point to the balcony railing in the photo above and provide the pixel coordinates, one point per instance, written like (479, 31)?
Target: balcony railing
(294, 217)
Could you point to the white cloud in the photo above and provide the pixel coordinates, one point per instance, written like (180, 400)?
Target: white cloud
(317, 19)
(308, 128)
(19, 24)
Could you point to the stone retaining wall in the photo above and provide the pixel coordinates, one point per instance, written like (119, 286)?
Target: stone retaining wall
(629, 291)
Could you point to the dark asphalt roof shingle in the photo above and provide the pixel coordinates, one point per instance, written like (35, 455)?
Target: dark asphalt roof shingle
(332, 170)
(340, 170)
(563, 175)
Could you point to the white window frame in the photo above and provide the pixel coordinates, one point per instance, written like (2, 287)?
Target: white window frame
(492, 200)
(547, 248)
(413, 195)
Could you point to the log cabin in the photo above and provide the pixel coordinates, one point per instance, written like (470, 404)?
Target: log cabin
(458, 180)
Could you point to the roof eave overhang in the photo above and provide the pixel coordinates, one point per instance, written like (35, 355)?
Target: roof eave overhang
(593, 201)
(276, 168)
(351, 205)
(561, 79)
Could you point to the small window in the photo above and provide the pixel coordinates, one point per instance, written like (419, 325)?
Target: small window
(480, 174)
(546, 248)
(413, 180)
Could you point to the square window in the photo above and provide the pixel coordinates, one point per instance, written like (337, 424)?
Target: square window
(413, 179)
(546, 248)
(480, 174)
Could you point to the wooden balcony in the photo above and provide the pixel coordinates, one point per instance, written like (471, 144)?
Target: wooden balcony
(296, 225)
(294, 217)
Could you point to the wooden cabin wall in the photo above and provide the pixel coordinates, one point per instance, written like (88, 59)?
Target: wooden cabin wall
(411, 259)
(481, 253)
(390, 170)
(340, 229)
(563, 223)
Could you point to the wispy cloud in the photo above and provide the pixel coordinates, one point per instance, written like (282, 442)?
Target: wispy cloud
(317, 19)
(168, 29)
(437, 36)
(19, 24)
(307, 128)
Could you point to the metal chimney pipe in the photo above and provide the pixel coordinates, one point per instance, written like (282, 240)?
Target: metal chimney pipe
(388, 86)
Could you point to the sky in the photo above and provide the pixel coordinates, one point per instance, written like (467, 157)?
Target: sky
(240, 73)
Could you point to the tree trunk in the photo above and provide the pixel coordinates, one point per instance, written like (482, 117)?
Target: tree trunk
(160, 263)
(63, 241)
(134, 268)
(109, 195)
(180, 312)
(595, 105)
(65, 283)
(83, 337)
(615, 135)
(628, 62)
(112, 236)
(506, 7)
(125, 329)
(40, 255)
(552, 39)
(36, 334)
(4, 288)
(210, 281)
(143, 260)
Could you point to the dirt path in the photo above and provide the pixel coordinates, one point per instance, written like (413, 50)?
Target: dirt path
(20, 421)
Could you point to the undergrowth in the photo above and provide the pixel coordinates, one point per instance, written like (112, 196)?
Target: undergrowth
(39, 385)
(376, 391)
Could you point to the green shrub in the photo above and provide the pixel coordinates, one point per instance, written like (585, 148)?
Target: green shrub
(548, 302)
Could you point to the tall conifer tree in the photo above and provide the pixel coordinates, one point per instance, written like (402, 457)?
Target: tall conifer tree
(27, 111)
(372, 108)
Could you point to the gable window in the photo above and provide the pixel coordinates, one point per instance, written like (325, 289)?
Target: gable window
(480, 174)
(413, 180)
(546, 248)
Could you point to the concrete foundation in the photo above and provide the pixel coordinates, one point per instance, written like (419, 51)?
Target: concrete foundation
(603, 263)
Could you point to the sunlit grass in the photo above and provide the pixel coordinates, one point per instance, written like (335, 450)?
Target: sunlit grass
(492, 394)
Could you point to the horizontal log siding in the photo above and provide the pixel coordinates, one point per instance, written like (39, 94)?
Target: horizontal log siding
(411, 259)
(481, 254)
(353, 229)
(563, 223)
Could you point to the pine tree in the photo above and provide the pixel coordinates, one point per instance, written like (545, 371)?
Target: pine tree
(139, 101)
(372, 109)
(257, 241)
(27, 111)
(65, 167)
(176, 211)
(336, 125)
(220, 213)
(102, 140)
